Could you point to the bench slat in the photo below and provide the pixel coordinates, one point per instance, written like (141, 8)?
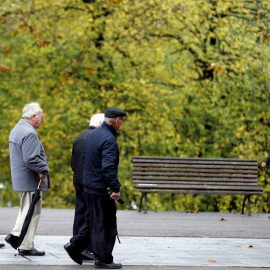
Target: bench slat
(142, 185)
(190, 159)
(173, 170)
(191, 178)
(152, 175)
(199, 181)
(217, 192)
(203, 187)
(196, 161)
(213, 166)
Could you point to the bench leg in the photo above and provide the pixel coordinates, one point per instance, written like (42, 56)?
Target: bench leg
(172, 197)
(249, 211)
(145, 203)
(243, 206)
(140, 206)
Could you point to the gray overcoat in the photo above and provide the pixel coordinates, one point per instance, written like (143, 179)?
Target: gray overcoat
(27, 158)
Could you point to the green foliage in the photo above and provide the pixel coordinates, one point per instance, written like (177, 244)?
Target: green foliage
(193, 77)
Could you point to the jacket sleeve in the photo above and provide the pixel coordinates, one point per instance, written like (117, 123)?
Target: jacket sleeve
(110, 155)
(32, 154)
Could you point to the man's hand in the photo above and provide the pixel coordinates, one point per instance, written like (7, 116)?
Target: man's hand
(115, 195)
(42, 176)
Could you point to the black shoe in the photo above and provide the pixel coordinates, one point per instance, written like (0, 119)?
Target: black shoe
(2, 245)
(32, 252)
(76, 257)
(12, 240)
(87, 255)
(100, 264)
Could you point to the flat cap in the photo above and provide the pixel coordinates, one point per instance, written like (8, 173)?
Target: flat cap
(114, 112)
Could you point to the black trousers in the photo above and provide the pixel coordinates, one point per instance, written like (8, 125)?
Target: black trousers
(80, 211)
(81, 217)
(100, 229)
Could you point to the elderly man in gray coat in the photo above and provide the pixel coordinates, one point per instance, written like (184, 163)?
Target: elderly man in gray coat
(28, 166)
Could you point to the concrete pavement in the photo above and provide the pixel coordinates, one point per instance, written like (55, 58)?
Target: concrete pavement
(159, 251)
(157, 240)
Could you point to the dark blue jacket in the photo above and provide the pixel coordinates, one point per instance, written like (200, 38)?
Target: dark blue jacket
(101, 159)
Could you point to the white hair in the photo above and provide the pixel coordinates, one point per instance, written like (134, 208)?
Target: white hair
(109, 120)
(30, 109)
(97, 120)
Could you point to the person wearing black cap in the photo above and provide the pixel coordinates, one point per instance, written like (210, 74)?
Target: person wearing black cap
(77, 168)
(100, 173)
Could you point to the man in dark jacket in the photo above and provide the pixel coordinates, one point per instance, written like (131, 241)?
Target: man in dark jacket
(100, 173)
(77, 165)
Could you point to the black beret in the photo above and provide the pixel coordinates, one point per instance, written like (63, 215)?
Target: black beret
(114, 112)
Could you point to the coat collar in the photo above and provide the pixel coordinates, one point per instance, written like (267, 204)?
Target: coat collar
(111, 128)
(26, 123)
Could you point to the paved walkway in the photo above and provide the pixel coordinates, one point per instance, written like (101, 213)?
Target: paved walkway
(162, 239)
(159, 251)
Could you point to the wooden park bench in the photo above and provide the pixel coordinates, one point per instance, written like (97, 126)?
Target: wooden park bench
(195, 176)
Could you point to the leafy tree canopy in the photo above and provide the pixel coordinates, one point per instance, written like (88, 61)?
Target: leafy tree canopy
(192, 75)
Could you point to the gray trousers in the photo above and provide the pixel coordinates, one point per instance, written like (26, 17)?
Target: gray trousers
(25, 201)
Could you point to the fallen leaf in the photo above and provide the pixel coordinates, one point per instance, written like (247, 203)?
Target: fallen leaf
(211, 260)
(247, 246)
(223, 219)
